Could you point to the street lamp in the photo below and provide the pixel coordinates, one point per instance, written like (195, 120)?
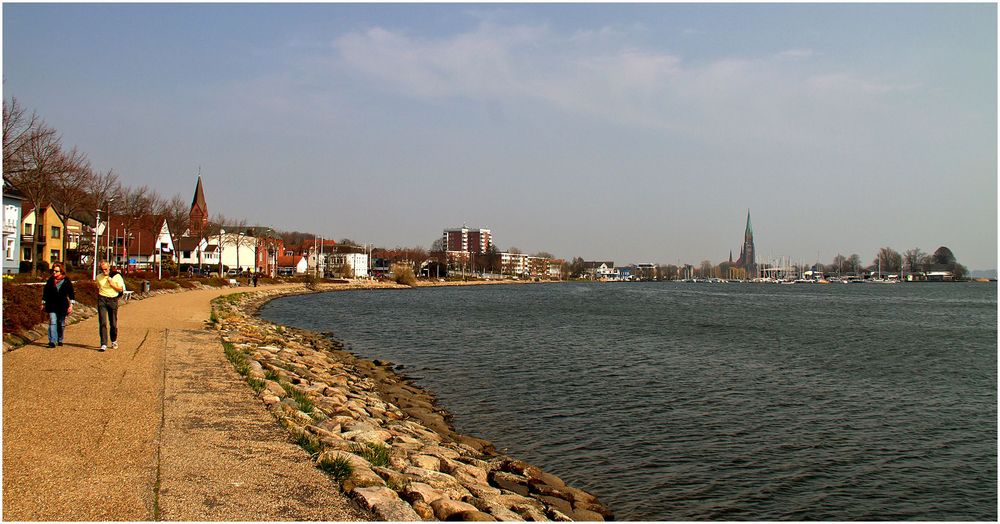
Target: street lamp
(221, 232)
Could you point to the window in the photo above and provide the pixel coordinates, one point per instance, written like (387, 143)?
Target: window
(54, 256)
(56, 232)
(9, 248)
(27, 254)
(187, 254)
(28, 228)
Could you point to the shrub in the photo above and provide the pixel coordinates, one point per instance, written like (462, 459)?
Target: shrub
(21, 310)
(404, 275)
(86, 292)
(215, 282)
(162, 284)
(187, 284)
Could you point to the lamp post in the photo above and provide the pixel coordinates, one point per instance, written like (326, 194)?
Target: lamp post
(221, 232)
(97, 240)
(107, 253)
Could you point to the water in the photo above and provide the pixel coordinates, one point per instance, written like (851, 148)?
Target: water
(675, 401)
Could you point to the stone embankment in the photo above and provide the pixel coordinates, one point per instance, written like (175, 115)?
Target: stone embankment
(380, 437)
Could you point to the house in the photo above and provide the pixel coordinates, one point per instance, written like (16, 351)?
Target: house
(601, 270)
(356, 263)
(12, 203)
(140, 243)
(292, 264)
(42, 237)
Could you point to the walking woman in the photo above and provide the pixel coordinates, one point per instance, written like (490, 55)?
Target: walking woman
(57, 300)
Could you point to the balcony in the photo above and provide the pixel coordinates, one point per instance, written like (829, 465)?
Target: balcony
(27, 239)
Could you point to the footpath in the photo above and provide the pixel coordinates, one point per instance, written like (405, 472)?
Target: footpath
(160, 429)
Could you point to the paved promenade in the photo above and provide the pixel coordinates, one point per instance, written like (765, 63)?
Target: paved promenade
(160, 429)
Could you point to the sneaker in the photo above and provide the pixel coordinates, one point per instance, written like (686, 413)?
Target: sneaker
(103, 348)
(52, 344)
(60, 342)
(114, 345)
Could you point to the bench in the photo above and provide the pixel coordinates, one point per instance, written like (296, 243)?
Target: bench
(127, 295)
(233, 283)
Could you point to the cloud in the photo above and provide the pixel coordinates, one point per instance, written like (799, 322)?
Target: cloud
(601, 74)
(795, 54)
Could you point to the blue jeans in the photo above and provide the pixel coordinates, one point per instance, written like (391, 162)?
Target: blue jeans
(57, 322)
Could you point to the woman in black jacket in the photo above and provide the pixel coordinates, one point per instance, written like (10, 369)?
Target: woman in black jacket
(57, 300)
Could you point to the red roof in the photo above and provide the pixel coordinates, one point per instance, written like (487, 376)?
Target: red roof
(292, 261)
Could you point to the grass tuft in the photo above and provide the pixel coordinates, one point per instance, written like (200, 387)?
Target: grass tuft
(338, 468)
(377, 454)
(305, 405)
(309, 443)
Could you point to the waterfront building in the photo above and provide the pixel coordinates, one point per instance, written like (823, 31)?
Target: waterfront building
(12, 202)
(467, 240)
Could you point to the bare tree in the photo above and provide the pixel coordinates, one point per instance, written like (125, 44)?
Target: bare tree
(177, 214)
(20, 130)
(36, 167)
(839, 263)
(242, 239)
(889, 260)
(134, 205)
(914, 259)
(70, 182)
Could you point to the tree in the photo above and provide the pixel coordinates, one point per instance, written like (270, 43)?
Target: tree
(544, 254)
(706, 269)
(33, 177)
(889, 260)
(70, 182)
(577, 267)
(178, 216)
(839, 264)
(946, 261)
(854, 262)
(913, 259)
(20, 130)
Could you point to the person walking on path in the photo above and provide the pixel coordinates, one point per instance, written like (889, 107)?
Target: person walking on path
(57, 300)
(109, 287)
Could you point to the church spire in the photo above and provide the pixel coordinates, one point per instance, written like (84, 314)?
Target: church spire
(749, 233)
(199, 209)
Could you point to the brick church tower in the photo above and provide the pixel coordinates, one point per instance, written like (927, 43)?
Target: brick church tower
(199, 211)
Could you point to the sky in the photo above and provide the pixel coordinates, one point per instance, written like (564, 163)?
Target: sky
(633, 133)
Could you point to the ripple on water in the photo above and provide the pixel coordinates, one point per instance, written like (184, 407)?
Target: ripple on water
(691, 402)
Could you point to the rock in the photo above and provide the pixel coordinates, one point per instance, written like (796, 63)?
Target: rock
(595, 507)
(509, 482)
(384, 503)
(442, 482)
(424, 510)
(498, 510)
(274, 388)
(471, 516)
(558, 503)
(427, 462)
(368, 437)
(586, 515)
(445, 508)
(420, 492)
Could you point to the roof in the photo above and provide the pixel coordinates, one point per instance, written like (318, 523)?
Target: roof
(199, 198)
(187, 243)
(289, 261)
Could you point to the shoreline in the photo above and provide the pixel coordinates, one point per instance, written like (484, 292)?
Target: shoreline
(407, 462)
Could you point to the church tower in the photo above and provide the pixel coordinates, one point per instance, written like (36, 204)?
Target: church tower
(748, 258)
(199, 211)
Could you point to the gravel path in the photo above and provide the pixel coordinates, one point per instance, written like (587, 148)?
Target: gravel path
(161, 429)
